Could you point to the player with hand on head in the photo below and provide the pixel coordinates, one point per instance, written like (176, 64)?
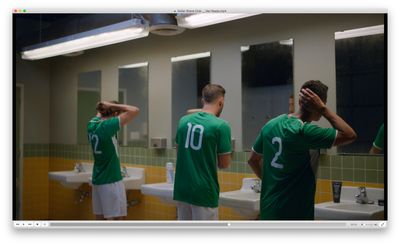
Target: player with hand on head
(108, 191)
(281, 158)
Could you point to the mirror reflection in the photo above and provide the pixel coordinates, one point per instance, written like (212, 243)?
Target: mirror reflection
(190, 73)
(133, 89)
(89, 93)
(360, 86)
(267, 85)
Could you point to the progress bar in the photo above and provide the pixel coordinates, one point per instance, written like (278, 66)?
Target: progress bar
(200, 224)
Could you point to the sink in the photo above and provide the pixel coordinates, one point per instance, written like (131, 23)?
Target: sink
(73, 179)
(245, 201)
(348, 209)
(135, 178)
(133, 181)
(164, 191)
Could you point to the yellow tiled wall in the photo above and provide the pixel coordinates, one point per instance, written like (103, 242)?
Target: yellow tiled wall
(35, 188)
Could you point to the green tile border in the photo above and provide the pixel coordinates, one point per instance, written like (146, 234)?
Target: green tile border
(348, 174)
(336, 161)
(36, 150)
(357, 168)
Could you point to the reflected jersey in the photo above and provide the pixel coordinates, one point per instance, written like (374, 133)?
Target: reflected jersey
(379, 141)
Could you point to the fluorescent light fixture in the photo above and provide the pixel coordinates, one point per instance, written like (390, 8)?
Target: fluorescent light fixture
(191, 57)
(116, 33)
(137, 65)
(244, 48)
(366, 31)
(206, 19)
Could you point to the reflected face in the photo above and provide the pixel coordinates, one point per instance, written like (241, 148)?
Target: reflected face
(220, 104)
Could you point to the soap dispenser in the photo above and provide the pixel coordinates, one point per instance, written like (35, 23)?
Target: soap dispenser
(170, 172)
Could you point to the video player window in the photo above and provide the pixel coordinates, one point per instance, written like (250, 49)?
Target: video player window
(95, 129)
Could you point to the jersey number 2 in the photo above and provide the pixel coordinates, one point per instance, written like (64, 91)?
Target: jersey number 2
(277, 154)
(190, 136)
(94, 140)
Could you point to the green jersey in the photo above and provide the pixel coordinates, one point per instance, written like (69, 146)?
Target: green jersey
(102, 137)
(380, 138)
(200, 137)
(288, 182)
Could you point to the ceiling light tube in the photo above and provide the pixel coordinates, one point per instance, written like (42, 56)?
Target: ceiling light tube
(206, 19)
(244, 48)
(190, 57)
(120, 32)
(136, 65)
(366, 31)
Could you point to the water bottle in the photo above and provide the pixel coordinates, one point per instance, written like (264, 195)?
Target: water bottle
(170, 172)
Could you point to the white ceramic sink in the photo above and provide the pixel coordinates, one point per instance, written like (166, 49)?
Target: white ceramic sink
(135, 178)
(164, 191)
(73, 179)
(348, 209)
(244, 201)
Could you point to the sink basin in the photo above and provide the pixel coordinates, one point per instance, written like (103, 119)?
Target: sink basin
(73, 179)
(245, 201)
(348, 209)
(135, 178)
(164, 191)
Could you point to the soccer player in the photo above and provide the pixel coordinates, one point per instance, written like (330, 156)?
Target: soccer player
(203, 144)
(379, 142)
(281, 158)
(108, 191)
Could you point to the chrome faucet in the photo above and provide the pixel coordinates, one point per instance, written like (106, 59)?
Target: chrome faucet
(362, 197)
(257, 186)
(124, 172)
(79, 167)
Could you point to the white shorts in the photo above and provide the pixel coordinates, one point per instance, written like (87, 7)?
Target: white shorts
(188, 211)
(109, 200)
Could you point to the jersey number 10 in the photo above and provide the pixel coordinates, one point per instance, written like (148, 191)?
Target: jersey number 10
(190, 136)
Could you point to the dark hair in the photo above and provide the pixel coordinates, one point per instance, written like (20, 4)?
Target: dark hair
(211, 92)
(317, 87)
(104, 110)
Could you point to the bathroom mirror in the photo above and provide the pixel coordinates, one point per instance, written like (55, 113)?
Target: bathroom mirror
(361, 84)
(267, 85)
(190, 73)
(89, 88)
(133, 89)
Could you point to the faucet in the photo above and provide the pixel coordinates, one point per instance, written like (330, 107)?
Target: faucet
(256, 187)
(79, 167)
(362, 197)
(124, 172)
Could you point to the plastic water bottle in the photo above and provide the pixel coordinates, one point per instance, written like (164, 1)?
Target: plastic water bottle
(170, 172)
